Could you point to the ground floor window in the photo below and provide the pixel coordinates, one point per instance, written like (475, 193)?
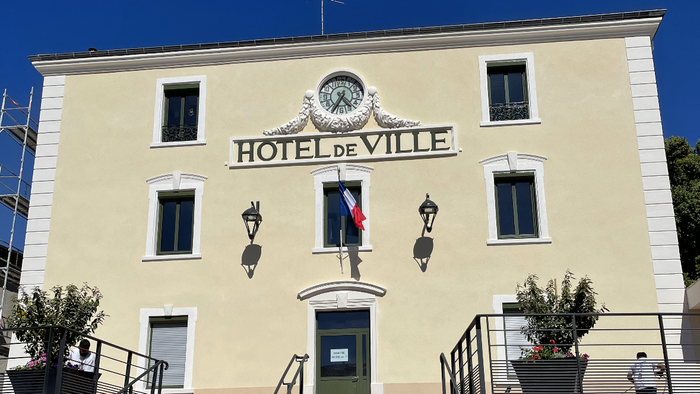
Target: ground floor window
(168, 341)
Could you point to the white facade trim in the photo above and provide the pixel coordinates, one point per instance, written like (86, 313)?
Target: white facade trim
(336, 297)
(462, 39)
(159, 111)
(663, 238)
(144, 323)
(347, 285)
(176, 181)
(514, 162)
(529, 60)
(329, 174)
(43, 179)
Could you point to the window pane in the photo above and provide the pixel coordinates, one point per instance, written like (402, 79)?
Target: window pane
(515, 87)
(342, 320)
(497, 88)
(506, 219)
(191, 110)
(174, 107)
(344, 349)
(184, 237)
(332, 217)
(167, 226)
(524, 200)
(352, 236)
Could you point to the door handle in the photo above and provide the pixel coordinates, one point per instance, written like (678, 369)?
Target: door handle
(355, 379)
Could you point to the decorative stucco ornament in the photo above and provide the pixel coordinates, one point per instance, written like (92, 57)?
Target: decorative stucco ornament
(297, 124)
(385, 119)
(326, 121)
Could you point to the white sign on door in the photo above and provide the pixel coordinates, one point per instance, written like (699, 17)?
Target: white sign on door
(339, 355)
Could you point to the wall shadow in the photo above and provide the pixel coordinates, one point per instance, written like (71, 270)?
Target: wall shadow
(250, 258)
(355, 261)
(422, 250)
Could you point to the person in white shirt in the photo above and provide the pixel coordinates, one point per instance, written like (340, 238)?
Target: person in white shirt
(641, 373)
(83, 357)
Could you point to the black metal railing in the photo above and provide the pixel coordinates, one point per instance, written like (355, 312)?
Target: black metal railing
(489, 356)
(509, 111)
(299, 373)
(175, 133)
(116, 370)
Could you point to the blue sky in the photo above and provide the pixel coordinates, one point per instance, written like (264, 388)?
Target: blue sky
(40, 26)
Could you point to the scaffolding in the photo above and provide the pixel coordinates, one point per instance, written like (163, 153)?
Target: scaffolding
(17, 124)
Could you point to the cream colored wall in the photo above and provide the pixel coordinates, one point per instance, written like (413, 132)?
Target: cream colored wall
(248, 328)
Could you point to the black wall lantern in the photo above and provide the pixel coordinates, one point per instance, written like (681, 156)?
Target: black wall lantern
(428, 210)
(252, 219)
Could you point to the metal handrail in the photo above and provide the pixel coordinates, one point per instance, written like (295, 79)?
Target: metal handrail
(445, 365)
(299, 373)
(156, 369)
(471, 357)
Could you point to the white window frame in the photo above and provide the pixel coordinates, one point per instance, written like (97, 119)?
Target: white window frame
(349, 173)
(514, 162)
(159, 111)
(529, 60)
(144, 339)
(339, 296)
(176, 181)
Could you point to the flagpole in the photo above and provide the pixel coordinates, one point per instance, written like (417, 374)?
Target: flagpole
(341, 247)
(340, 217)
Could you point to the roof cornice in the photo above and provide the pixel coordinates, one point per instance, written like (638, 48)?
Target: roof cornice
(401, 43)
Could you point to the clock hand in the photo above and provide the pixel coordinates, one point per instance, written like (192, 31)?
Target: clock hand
(347, 102)
(337, 103)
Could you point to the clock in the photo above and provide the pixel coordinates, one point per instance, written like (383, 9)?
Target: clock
(341, 94)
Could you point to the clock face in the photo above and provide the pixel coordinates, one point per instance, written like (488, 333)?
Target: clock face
(341, 94)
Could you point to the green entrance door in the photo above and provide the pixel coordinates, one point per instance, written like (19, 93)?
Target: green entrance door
(342, 352)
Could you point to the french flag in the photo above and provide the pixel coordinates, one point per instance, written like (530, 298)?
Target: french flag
(349, 207)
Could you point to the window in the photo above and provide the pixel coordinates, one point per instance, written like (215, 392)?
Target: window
(168, 341)
(514, 340)
(515, 205)
(509, 339)
(327, 233)
(175, 222)
(180, 118)
(174, 216)
(352, 236)
(167, 333)
(179, 111)
(508, 93)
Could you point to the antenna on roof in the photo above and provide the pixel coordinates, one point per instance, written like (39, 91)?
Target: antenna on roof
(334, 1)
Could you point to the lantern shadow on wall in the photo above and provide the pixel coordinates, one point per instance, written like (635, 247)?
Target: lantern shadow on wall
(250, 258)
(251, 255)
(423, 248)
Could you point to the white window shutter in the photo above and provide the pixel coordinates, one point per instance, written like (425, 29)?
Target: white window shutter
(169, 343)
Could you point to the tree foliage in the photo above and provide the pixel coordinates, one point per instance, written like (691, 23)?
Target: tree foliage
(557, 329)
(72, 307)
(684, 173)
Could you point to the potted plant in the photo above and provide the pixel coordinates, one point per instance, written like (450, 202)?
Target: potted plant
(70, 306)
(550, 364)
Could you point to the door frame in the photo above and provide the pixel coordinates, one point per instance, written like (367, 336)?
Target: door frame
(338, 296)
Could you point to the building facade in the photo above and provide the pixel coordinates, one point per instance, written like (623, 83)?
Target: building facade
(540, 141)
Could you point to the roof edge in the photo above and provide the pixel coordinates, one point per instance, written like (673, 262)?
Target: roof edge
(619, 25)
